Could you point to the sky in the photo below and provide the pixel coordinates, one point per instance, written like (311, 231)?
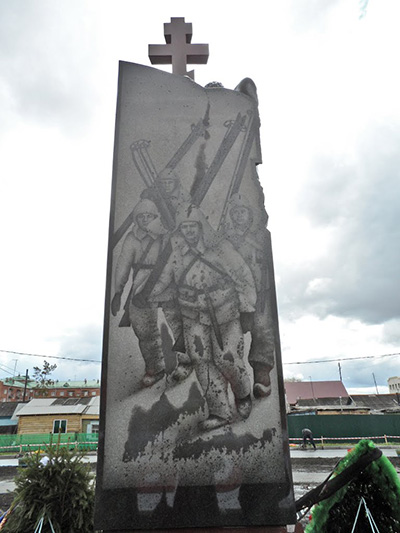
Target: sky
(328, 85)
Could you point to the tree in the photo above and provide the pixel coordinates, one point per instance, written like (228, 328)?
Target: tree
(42, 377)
(60, 490)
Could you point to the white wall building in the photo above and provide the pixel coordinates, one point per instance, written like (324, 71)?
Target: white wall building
(394, 384)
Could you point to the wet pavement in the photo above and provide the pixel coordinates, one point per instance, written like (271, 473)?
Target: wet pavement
(309, 467)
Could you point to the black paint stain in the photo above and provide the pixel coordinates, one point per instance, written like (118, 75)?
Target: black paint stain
(229, 357)
(145, 426)
(226, 443)
(198, 345)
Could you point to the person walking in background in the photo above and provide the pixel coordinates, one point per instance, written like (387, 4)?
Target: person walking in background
(307, 435)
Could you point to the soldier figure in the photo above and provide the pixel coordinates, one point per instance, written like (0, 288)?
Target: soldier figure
(216, 295)
(252, 246)
(140, 250)
(175, 197)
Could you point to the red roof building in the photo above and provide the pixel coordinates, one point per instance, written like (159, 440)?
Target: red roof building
(308, 390)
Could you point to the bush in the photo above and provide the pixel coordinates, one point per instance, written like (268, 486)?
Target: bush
(61, 491)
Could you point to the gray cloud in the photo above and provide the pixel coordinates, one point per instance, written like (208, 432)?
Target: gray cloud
(359, 276)
(84, 343)
(44, 56)
(355, 373)
(391, 332)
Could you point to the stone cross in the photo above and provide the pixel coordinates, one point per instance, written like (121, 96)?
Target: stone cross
(178, 51)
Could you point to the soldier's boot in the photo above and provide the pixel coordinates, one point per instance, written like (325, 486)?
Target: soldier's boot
(262, 380)
(213, 422)
(181, 372)
(154, 361)
(244, 406)
(183, 369)
(150, 379)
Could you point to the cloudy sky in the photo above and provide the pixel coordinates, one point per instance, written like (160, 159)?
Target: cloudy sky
(328, 84)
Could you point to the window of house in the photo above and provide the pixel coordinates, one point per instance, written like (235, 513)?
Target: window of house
(94, 393)
(86, 393)
(53, 393)
(59, 426)
(70, 393)
(5, 391)
(62, 393)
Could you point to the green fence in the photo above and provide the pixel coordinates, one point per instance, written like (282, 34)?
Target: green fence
(19, 443)
(339, 427)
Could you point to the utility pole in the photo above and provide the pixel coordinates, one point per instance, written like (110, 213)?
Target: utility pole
(376, 386)
(15, 367)
(312, 388)
(340, 372)
(25, 386)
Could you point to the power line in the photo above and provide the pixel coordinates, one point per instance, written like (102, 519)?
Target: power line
(3, 369)
(50, 356)
(341, 359)
(285, 363)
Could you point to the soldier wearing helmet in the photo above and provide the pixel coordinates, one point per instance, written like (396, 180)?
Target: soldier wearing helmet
(250, 241)
(173, 196)
(140, 250)
(215, 288)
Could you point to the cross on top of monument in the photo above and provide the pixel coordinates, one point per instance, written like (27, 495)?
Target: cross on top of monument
(178, 51)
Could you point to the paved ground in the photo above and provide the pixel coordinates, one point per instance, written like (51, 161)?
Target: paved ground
(332, 453)
(309, 468)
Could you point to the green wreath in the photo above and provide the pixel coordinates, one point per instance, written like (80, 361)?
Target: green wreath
(378, 484)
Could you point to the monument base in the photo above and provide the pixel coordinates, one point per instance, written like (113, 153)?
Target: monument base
(297, 528)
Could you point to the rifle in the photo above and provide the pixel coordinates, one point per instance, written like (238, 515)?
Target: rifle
(198, 195)
(240, 164)
(148, 173)
(199, 192)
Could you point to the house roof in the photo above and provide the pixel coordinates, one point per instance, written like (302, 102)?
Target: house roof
(19, 381)
(376, 401)
(323, 402)
(296, 390)
(7, 409)
(60, 406)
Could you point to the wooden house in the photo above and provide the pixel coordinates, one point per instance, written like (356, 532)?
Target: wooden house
(61, 415)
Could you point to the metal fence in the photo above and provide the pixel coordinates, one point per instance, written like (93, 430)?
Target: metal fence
(20, 443)
(382, 428)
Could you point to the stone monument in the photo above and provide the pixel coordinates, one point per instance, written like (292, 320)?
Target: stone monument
(193, 428)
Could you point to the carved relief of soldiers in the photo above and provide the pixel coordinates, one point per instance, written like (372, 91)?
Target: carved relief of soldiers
(140, 250)
(249, 240)
(216, 295)
(174, 197)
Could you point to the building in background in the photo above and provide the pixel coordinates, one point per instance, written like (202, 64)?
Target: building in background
(394, 384)
(8, 420)
(15, 390)
(313, 390)
(59, 415)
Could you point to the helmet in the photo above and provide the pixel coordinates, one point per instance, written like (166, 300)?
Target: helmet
(145, 206)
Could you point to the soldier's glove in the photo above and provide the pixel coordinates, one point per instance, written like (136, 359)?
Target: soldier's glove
(246, 321)
(116, 303)
(139, 300)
